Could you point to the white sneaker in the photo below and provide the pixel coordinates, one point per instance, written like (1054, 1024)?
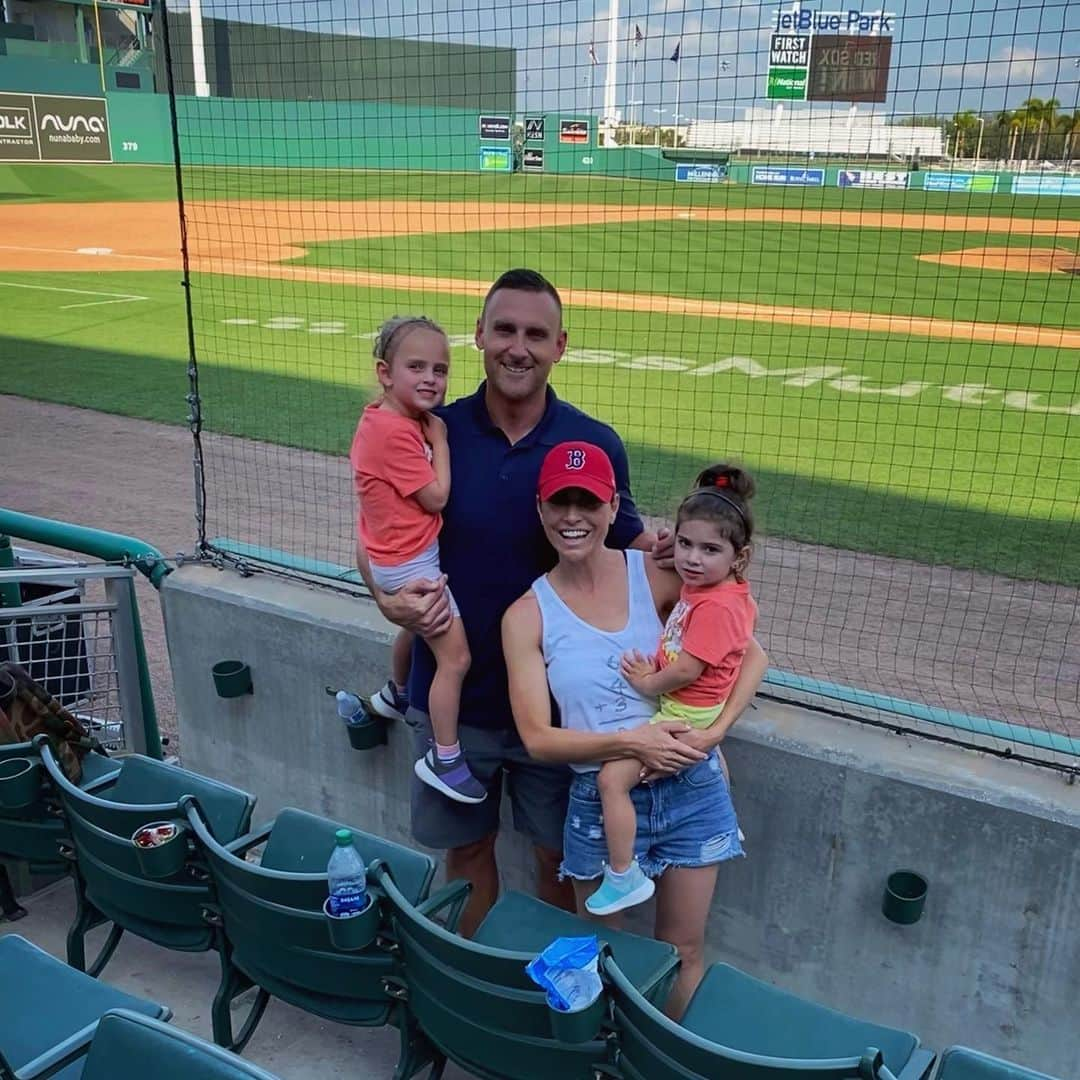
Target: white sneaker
(390, 702)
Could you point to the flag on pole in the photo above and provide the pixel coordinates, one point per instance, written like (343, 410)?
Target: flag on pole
(592, 54)
(674, 57)
(639, 37)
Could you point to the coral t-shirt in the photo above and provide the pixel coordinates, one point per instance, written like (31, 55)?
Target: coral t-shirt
(391, 462)
(713, 623)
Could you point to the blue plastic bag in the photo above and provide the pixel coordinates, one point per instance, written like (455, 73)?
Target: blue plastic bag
(568, 971)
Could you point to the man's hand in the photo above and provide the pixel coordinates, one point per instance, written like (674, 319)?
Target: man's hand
(421, 606)
(663, 551)
(660, 751)
(636, 667)
(434, 428)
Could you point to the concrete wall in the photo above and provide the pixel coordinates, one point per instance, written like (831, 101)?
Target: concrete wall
(829, 808)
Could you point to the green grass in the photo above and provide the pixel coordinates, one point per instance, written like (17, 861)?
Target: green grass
(995, 487)
(873, 270)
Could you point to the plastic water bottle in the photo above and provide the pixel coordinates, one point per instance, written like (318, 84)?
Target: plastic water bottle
(348, 879)
(350, 708)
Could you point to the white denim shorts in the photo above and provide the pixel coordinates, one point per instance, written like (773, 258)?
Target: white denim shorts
(425, 565)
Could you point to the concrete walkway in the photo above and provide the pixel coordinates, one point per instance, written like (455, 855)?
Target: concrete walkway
(288, 1042)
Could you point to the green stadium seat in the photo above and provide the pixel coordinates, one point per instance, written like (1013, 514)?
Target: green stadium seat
(275, 934)
(472, 1001)
(109, 882)
(33, 835)
(960, 1063)
(127, 1044)
(739, 1027)
(50, 1012)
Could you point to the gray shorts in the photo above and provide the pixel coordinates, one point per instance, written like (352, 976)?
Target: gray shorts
(538, 792)
(425, 565)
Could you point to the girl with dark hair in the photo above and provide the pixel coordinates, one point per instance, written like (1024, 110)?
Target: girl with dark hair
(697, 662)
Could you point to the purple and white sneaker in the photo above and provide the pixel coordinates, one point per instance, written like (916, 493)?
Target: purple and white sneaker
(390, 702)
(454, 779)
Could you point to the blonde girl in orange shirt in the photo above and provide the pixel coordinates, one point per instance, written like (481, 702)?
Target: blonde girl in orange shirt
(401, 469)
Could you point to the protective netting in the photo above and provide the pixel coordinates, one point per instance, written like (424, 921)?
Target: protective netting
(838, 247)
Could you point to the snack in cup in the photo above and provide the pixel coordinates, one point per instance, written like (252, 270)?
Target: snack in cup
(151, 836)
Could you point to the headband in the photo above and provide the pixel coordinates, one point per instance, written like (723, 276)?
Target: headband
(726, 498)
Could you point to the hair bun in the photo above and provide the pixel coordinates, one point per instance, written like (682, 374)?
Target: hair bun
(727, 478)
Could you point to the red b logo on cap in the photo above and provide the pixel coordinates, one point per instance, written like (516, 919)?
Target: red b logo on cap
(575, 458)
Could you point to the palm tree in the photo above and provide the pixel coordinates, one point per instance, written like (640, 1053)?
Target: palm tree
(1013, 122)
(1040, 114)
(961, 125)
(1070, 128)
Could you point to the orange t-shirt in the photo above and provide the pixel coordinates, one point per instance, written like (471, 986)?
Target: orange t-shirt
(713, 623)
(391, 462)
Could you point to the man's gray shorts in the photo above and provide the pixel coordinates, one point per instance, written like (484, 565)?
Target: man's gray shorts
(538, 792)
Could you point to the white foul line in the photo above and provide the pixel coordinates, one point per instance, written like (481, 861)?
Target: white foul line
(119, 298)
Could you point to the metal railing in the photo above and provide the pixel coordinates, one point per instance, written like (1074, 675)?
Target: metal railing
(78, 642)
(126, 554)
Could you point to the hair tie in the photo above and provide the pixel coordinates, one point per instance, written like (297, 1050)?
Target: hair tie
(721, 482)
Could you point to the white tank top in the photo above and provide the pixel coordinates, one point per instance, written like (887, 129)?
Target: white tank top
(583, 660)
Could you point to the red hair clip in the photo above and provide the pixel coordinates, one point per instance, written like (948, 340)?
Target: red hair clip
(721, 482)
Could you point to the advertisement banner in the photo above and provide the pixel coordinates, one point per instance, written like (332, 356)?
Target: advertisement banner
(46, 127)
(496, 159)
(1046, 185)
(532, 160)
(872, 178)
(984, 183)
(18, 135)
(701, 174)
(774, 174)
(534, 129)
(786, 83)
(789, 50)
(573, 131)
(494, 127)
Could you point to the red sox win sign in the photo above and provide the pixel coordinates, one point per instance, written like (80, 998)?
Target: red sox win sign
(830, 55)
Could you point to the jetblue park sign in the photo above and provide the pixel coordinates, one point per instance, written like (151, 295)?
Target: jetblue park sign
(834, 22)
(829, 55)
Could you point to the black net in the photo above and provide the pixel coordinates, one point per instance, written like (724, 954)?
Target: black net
(840, 248)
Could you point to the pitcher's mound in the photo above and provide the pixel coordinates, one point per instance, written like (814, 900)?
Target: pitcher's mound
(1020, 260)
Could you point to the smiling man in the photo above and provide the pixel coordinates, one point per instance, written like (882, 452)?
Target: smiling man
(492, 548)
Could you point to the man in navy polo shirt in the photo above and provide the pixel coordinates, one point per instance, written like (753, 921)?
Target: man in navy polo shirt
(491, 549)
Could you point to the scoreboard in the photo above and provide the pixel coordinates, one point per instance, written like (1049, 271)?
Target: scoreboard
(830, 56)
(848, 68)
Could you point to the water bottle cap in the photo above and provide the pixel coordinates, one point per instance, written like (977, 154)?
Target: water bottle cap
(343, 837)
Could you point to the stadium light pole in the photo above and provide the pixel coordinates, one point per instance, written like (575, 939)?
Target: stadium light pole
(978, 144)
(641, 115)
(659, 121)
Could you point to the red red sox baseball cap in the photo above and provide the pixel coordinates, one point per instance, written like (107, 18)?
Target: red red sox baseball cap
(577, 465)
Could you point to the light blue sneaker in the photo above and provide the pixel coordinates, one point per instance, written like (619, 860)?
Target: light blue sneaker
(619, 891)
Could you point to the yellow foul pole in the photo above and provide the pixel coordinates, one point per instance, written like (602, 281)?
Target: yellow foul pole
(100, 51)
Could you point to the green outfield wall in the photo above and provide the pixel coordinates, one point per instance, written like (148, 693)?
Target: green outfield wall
(318, 66)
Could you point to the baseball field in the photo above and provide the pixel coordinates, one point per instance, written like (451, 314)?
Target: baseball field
(899, 368)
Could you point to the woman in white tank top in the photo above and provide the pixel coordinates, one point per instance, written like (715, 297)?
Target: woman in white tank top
(566, 635)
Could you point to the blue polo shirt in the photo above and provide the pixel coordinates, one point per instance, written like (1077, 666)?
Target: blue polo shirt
(492, 546)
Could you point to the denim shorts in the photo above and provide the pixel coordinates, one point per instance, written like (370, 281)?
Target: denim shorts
(683, 820)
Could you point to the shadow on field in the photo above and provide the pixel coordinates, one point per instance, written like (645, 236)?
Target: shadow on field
(322, 416)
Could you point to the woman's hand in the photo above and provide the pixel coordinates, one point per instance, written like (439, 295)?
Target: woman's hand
(636, 667)
(661, 750)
